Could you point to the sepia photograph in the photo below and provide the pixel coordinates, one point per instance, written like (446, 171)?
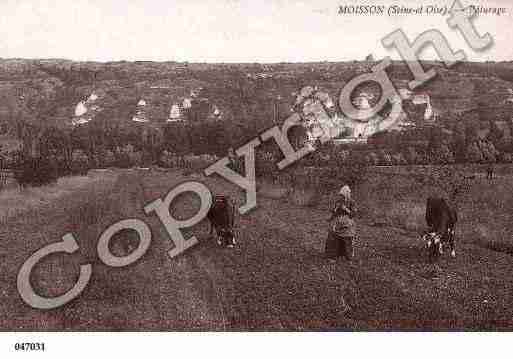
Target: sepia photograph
(239, 166)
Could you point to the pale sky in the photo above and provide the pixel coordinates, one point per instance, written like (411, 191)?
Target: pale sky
(226, 30)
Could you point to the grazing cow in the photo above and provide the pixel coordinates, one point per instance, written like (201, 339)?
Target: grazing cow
(441, 220)
(221, 216)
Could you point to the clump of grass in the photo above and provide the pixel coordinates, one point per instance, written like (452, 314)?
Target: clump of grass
(484, 207)
(493, 236)
(500, 246)
(271, 190)
(305, 197)
(14, 202)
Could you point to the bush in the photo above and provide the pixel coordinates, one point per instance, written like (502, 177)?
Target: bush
(411, 156)
(60, 165)
(79, 166)
(332, 178)
(105, 158)
(398, 159)
(341, 157)
(123, 160)
(372, 159)
(167, 159)
(506, 157)
(136, 158)
(474, 154)
(35, 172)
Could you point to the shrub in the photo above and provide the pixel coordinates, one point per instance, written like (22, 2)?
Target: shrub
(411, 156)
(61, 166)
(123, 160)
(398, 159)
(35, 172)
(372, 159)
(354, 174)
(105, 158)
(506, 157)
(332, 178)
(79, 166)
(474, 154)
(136, 158)
(166, 159)
(341, 157)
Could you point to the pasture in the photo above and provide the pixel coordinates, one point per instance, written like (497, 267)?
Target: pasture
(277, 277)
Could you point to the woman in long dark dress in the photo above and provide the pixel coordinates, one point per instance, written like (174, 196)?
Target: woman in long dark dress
(342, 229)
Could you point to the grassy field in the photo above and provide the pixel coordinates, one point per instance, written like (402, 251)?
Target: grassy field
(277, 277)
(484, 206)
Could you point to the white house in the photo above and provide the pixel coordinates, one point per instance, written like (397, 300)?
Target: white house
(175, 114)
(80, 109)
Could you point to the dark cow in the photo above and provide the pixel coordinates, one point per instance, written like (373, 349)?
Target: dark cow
(221, 216)
(441, 220)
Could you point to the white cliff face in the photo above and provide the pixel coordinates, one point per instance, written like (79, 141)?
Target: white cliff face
(428, 115)
(362, 101)
(175, 114)
(187, 103)
(80, 109)
(318, 114)
(421, 98)
(93, 97)
(364, 128)
(405, 94)
(88, 107)
(80, 121)
(140, 115)
(320, 118)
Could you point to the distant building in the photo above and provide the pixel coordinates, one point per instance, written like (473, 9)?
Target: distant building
(140, 114)
(362, 101)
(85, 111)
(175, 114)
(80, 121)
(187, 103)
(350, 141)
(80, 109)
(93, 97)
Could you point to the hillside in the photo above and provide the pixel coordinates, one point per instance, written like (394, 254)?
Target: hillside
(64, 93)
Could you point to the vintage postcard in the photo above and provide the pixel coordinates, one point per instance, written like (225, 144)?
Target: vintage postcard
(255, 166)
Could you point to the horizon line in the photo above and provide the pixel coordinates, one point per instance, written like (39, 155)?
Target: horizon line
(236, 62)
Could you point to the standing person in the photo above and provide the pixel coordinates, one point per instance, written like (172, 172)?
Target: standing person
(1, 157)
(489, 171)
(342, 229)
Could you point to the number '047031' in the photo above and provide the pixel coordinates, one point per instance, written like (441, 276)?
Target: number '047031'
(29, 347)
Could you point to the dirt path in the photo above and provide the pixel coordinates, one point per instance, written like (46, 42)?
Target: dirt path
(275, 279)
